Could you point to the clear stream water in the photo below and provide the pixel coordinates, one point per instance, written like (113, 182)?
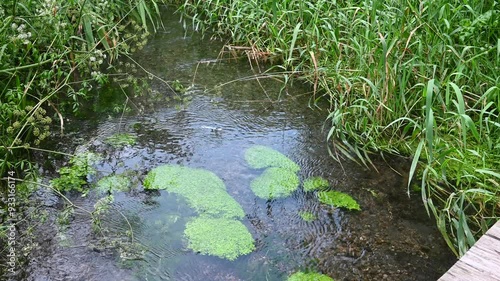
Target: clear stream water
(391, 238)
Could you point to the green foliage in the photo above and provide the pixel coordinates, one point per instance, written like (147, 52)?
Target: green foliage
(53, 54)
(120, 140)
(74, 176)
(221, 237)
(307, 216)
(310, 276)
(422, 80)
(259, 157)
(315, 183)
(204, 191)
(114, 183)
(338, 199)
(275, 183)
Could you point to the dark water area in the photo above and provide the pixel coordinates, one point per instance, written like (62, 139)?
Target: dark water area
(391, 238)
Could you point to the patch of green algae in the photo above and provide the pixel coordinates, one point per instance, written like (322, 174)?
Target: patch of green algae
(312, 276)
(338, 199)
(259, 157)
(315, 183)
(204, 191)
(221, 237)
(113, 184)
(275, 183)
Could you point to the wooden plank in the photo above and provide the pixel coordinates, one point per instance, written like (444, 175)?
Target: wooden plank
(481, 262)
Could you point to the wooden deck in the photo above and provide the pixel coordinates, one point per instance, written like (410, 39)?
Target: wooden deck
(481, 262)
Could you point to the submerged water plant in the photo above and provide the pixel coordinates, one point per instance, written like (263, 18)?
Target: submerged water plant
(338, 199)
(275, 183)
(224, 238)
(259, 157)
(204, 191)
(120, 140)
(310, 276)
(113, 184)
(315, 183)
(307, 216)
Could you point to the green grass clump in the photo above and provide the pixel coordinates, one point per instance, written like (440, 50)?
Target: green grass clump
(307, 216)
(275, 183)
(224, 238)
(120, 140)
(421, 81)
(338, 199)
(259, 157)
(311, 276)
(315, 183)
(204, 191)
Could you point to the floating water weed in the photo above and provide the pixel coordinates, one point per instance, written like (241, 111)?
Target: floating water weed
(275, 183)
(224, 238)
(338, 199)
(259, 157)
(204, 191)
(315, 183)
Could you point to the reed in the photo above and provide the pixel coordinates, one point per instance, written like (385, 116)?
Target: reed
(415, 78)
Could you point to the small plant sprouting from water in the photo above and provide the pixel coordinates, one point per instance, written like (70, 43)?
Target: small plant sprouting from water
(338, 199)
(310, 276)
(74, 176)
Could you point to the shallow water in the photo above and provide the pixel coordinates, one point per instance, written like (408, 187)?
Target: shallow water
(391, 238)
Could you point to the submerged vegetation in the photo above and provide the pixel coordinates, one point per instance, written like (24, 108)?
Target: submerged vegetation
(275, 183)
(416, 78)
(259, 157)
(216, 231)
(204, 191)
(315, 183)
(338, 199)
(224, 238)
(310, 276)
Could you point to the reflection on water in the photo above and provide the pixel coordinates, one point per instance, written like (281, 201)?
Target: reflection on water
(390, 239)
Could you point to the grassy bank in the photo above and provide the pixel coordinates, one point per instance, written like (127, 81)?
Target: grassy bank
(54, 54)
(416, 78)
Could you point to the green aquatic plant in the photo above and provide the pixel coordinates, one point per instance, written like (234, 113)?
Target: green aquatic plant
(275, 183)
(113, 183)
(307, 216)
(74, 176)
(224, 238)
(259, 157)
(311, 276)
(315, 183)
(204, 191)
(120, 140)
(338, 199)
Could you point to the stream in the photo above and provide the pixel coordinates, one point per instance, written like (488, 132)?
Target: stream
(224, 111)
